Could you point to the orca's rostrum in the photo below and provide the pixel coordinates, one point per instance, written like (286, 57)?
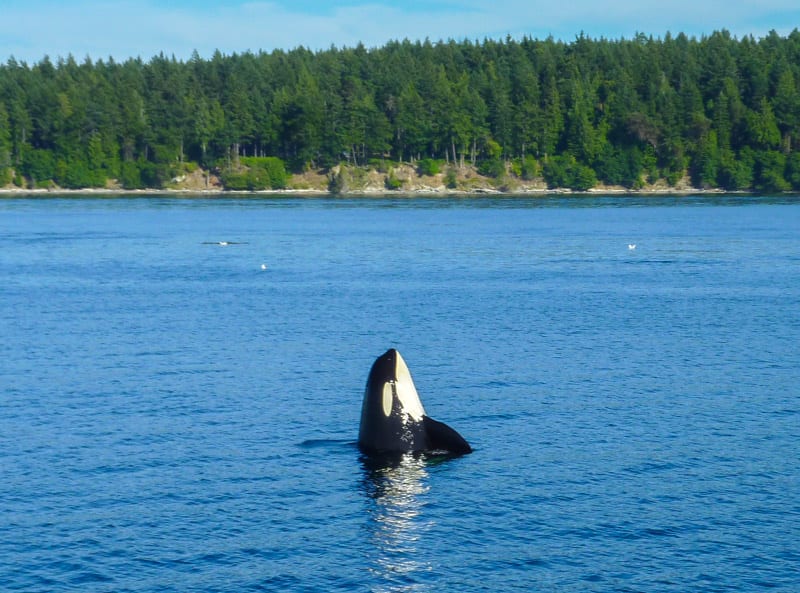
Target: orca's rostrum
(393, 419)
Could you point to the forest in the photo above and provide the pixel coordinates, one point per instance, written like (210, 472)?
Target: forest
(722, 111)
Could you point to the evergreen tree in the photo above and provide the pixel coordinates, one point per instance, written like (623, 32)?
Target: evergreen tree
(787, 108)
(5, 147)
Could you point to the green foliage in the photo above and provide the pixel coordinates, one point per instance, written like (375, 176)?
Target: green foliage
(39, 165)
(620, 166)
(392, 182)
(345, 178)
(237, 181)
(566, 172)
(451, 178)
(762, 127)
(769, 172)
(584, 178)
(793, 170)
(154, 175)
(73, 175)
(706, 164)
(530, 168)
(271, 170)
(429, 167)
(130, 177)
(674, 168)
(255, 174)
(650, 164)
(338, 182)
(735, 173)
(493, 150)
(492, 168)
(382, 165)
(5, 147)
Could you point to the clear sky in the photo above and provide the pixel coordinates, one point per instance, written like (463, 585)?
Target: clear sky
(31, 29)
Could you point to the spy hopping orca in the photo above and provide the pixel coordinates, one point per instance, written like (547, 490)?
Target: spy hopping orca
(393, 419)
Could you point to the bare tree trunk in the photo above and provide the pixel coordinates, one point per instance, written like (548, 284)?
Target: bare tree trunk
(19, 148)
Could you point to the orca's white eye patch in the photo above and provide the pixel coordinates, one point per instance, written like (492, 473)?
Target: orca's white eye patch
(407, 396)
(388, 399)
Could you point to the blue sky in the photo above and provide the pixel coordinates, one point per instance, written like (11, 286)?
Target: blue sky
(31, 29)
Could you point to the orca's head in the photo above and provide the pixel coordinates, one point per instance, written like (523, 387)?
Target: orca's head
(390, 387)
(391, 404)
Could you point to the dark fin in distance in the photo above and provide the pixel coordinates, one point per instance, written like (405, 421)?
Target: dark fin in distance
(443, 438)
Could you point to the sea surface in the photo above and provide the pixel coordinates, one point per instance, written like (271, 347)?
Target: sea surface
(180, 415)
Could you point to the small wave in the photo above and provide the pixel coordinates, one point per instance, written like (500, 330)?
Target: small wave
(660, 532)
(650, 261)
(278, 582)
(496, 384)
(651, 466)
(88, 577)
(327, 444)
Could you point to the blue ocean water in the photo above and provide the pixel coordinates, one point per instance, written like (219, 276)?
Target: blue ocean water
(173, 417)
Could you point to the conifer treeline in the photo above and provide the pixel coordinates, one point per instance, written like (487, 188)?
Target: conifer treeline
(725, 110)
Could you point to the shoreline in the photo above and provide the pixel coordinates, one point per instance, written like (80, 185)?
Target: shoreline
(477, 192)
(371, 182)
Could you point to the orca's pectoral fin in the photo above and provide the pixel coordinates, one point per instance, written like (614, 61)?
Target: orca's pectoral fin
(443, 438)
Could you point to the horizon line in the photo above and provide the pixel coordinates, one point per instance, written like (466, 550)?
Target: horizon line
(508, 38)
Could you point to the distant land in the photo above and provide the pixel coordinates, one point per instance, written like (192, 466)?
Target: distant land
(673, 114)
(363, 180)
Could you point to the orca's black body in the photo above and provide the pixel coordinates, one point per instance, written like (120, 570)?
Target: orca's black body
(393, 419)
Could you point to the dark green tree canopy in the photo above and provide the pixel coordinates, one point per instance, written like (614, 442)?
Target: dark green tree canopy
(726, 111)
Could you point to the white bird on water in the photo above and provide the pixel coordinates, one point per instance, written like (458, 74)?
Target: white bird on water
(631, 246)
(263, 266)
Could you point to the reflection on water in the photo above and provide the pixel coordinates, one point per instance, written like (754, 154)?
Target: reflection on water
(395, 488)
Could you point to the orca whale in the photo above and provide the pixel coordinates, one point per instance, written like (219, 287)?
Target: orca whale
(393, 419)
